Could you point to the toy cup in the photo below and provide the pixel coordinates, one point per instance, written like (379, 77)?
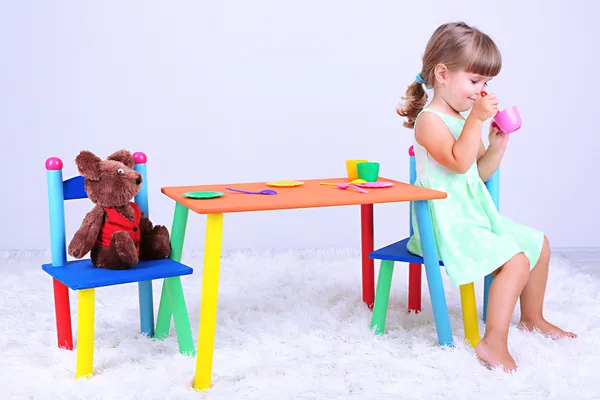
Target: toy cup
(351, 168)
(508, 120)
(369, 171)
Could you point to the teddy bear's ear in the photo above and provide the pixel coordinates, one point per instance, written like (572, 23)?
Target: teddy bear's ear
(88, 165)
(123, 156)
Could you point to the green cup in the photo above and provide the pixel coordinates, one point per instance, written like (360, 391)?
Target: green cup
(369, 171)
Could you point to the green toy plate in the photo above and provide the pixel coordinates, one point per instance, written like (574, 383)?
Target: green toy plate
(203, 195)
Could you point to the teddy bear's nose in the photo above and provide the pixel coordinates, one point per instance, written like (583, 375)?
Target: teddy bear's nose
(138, 181)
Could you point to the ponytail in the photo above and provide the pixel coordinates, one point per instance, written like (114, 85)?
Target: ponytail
(416, 98)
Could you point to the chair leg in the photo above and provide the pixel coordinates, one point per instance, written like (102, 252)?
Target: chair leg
(163, 320)
(486, 291)
(414, 287)
(172, 303)
(146, 308)
(469, 311)
(62, 308)
(382, 296)
(181, 318)
(434, 276)
(85, 333)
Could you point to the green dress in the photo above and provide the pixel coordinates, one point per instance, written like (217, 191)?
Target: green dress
(472, 238)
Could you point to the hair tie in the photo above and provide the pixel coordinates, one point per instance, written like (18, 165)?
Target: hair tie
(419, 79)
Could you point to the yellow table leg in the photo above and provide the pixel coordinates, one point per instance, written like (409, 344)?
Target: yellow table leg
(208, 308)
(469, 311)
(85, 333)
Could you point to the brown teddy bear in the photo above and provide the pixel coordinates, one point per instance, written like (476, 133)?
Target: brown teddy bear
(115, 230)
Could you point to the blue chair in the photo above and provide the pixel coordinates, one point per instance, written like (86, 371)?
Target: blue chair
(83, 277)
(398, 252)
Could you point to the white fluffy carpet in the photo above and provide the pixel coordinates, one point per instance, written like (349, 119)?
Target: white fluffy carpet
(292, 326)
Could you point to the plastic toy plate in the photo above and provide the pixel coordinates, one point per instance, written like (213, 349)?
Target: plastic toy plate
(375, 185)
(285, 183)
(203, 195)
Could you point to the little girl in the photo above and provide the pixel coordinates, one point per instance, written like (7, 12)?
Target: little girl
(473, 239)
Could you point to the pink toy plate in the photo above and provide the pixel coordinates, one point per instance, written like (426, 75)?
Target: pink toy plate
(376, 185)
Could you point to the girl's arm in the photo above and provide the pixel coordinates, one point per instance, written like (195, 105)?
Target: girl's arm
(455, 154)
(489, 161)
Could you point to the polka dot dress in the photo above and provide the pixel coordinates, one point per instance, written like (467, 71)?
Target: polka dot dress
(472, 238)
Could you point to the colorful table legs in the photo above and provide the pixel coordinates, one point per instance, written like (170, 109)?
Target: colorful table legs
(208, 308)
(210, 288)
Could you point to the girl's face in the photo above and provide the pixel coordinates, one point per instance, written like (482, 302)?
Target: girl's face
(461, 89)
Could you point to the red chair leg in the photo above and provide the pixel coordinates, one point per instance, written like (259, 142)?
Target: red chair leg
(63, 315)
(414, 287)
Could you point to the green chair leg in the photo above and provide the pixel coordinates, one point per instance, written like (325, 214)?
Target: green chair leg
(180, 316)
(172, 303)
(163, 321)
(382, 296)
(172, 300)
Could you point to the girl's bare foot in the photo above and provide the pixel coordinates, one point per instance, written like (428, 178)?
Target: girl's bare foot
(546, 328)
(495, 356)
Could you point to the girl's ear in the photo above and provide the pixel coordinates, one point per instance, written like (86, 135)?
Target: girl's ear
(441, 74)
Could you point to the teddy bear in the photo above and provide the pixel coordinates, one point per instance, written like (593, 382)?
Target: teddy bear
(115, 231)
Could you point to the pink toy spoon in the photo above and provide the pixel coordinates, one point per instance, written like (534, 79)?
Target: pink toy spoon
(346, 186)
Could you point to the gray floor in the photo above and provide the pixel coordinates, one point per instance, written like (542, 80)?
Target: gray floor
(588, 259)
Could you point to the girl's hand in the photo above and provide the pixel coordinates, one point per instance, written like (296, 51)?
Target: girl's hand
(485, 107)
(498, 139)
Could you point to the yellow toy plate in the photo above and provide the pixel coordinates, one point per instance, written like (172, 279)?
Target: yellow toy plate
(285, 183)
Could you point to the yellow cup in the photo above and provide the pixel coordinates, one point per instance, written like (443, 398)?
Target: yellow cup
(351, 168)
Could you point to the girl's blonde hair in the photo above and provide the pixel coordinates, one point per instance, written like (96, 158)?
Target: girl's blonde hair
(457, 46)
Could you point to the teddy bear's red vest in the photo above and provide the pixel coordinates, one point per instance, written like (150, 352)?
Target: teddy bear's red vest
(115, 222)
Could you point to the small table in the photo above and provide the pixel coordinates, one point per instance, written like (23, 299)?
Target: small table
(309, 195)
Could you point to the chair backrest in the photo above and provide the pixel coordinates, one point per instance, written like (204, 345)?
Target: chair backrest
(492, 184)
(72, 189)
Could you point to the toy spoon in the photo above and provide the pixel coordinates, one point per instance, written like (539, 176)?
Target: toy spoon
(346, 186)
(265, 191)
(353, 182)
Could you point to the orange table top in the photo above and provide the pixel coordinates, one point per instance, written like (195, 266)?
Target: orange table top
(309, 195)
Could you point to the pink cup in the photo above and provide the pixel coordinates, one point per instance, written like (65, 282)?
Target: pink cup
(508, 120)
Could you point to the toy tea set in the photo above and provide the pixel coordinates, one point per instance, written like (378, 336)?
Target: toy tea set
(362, 175)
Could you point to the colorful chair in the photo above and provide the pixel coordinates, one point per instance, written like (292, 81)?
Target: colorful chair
(398, 252)
(82, 276)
